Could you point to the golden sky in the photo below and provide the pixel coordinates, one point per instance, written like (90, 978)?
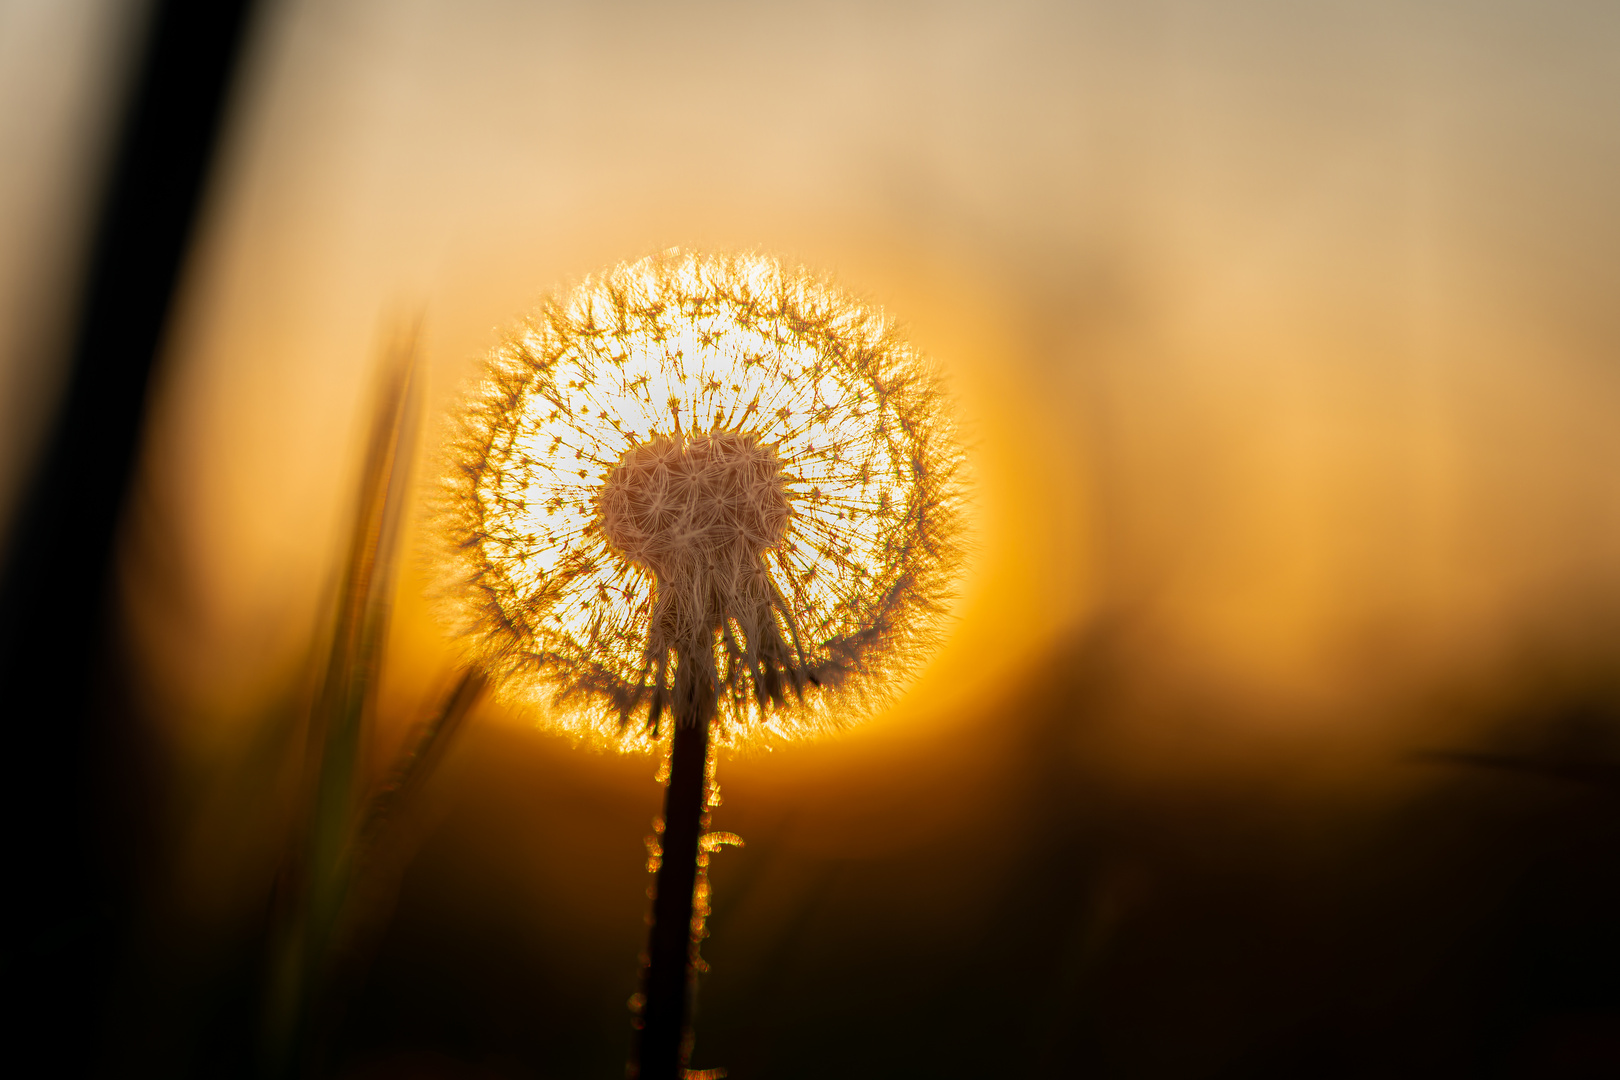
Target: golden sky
(1287, 331)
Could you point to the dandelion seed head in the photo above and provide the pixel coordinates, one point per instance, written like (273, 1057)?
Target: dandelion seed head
(712, 460)
(718, 500)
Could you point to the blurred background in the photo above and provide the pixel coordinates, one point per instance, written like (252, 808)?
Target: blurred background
(1277, 731)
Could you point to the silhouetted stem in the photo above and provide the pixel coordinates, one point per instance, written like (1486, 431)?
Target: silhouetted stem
(663, 1045)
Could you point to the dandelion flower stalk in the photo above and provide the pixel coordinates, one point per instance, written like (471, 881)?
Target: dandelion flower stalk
(707, 499)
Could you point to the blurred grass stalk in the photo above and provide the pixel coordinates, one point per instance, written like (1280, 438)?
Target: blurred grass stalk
(341, 844)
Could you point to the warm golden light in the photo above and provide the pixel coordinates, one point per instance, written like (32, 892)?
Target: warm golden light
(708, 448)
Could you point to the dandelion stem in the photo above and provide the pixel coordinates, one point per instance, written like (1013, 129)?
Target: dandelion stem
(665, 1039)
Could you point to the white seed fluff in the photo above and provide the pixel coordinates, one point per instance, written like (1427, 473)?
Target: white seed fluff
(709, 457)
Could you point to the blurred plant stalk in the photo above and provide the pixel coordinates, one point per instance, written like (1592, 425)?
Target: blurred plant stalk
(343, 842)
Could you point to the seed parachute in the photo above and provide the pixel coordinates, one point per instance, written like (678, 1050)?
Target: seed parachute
(707, 449)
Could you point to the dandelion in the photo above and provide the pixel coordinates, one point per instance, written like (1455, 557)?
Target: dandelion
(709, 498)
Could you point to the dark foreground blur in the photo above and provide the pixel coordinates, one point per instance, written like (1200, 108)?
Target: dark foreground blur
(1045, 897)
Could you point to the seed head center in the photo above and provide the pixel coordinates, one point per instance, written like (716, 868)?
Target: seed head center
(687, 508)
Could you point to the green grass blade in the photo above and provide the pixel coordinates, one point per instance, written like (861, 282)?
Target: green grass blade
(317, 877)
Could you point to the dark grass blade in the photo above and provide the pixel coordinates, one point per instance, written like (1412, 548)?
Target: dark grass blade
(422, 755)
(1592, 774)
(319, 868)
(71, 731)
(385, 838)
